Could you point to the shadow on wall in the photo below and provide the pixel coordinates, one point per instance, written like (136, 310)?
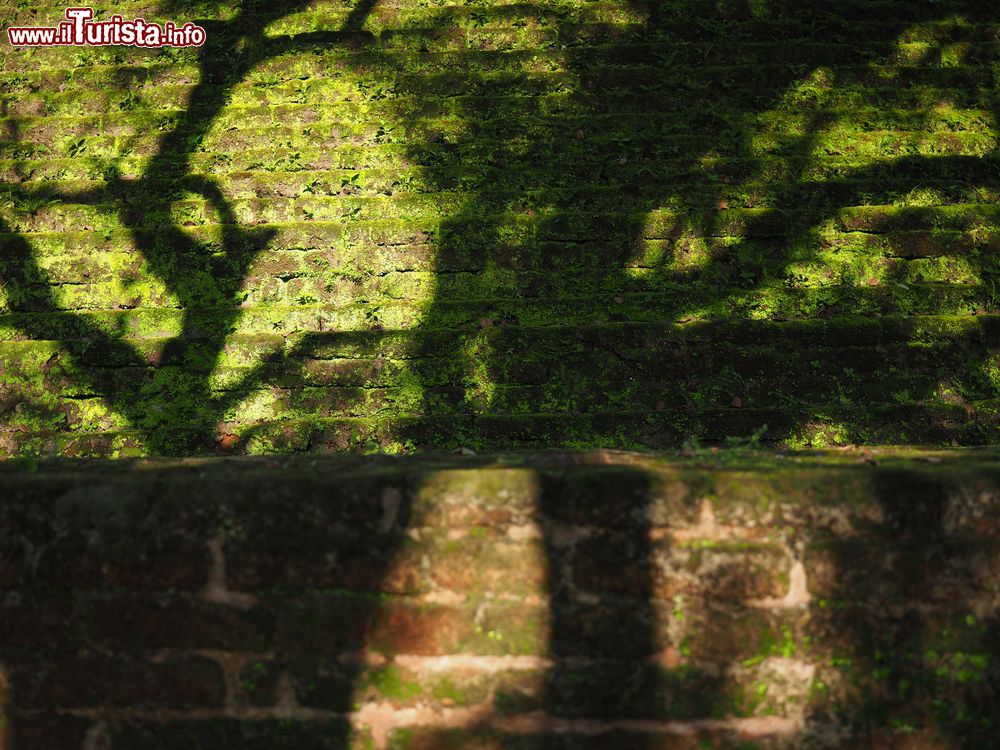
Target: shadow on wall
(644, 615)
(601, 206)
(908, 614)
(173, 389)
(559, 203)
(563, 240)
(629, 176)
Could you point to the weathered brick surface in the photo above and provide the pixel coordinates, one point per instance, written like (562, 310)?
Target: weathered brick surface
(51, 731)
(40, 622)
(287, 734)
(177, 682)
(136, 622)
(636, 740)
(806, 601)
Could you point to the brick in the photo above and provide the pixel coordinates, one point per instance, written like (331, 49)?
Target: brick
(338, 623)
(893, 569)
(178, 682)
(41, 623)
(257, 683)
(725, 570)
(462, 498)
(110, 535)
(456, 739)
(143, 623)
(607, 628)
(348, 561)
(48, 731)
(324, 623)
(283, 734)
(321, 681)
(481, 562)
(623, 690)
(514, 691)
(414, 629)
(619, 564)
(617, 497)
(720, 632)
(153, 567)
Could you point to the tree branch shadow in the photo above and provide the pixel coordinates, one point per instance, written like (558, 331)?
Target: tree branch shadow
(175, 389)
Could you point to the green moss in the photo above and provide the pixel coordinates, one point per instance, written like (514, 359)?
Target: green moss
(390, 684)
(407, 240)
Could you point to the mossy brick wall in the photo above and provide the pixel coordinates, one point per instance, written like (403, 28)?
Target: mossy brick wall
(596, 600)
(397, 225)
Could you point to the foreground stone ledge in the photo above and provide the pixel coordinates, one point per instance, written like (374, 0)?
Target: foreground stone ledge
(725, 599)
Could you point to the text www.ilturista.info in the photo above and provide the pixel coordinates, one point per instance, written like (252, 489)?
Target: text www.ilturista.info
(80, 31)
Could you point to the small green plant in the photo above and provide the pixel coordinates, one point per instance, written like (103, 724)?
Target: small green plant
(130, 101)
(32, 204)
(753, 442)
(691, 444)
(77, 147)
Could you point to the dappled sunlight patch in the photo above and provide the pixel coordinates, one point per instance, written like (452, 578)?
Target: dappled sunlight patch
(991, 371)
(259, 405)
(345, 275)
(511, 206)
(240, 355)
(921, 196)
(935, 43)
(312, 17)
(220, 10)
(479, 387)
(812, 89)
(819, 434)
(137, 286)
(950, 392)
(785, 120)
(95, 413)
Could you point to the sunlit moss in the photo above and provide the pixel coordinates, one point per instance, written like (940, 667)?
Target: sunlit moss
(819, 435)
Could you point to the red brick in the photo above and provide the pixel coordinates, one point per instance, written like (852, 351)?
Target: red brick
(222, 734)
(366, 565)
(180, 622)
(45, 732)
(176, 565)
(101, 681)
(41, 623)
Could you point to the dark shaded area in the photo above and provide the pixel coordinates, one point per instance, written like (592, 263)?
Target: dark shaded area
(560, 203)
(909, 605)
(103, 576)
(606, 633)
(102, 601)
